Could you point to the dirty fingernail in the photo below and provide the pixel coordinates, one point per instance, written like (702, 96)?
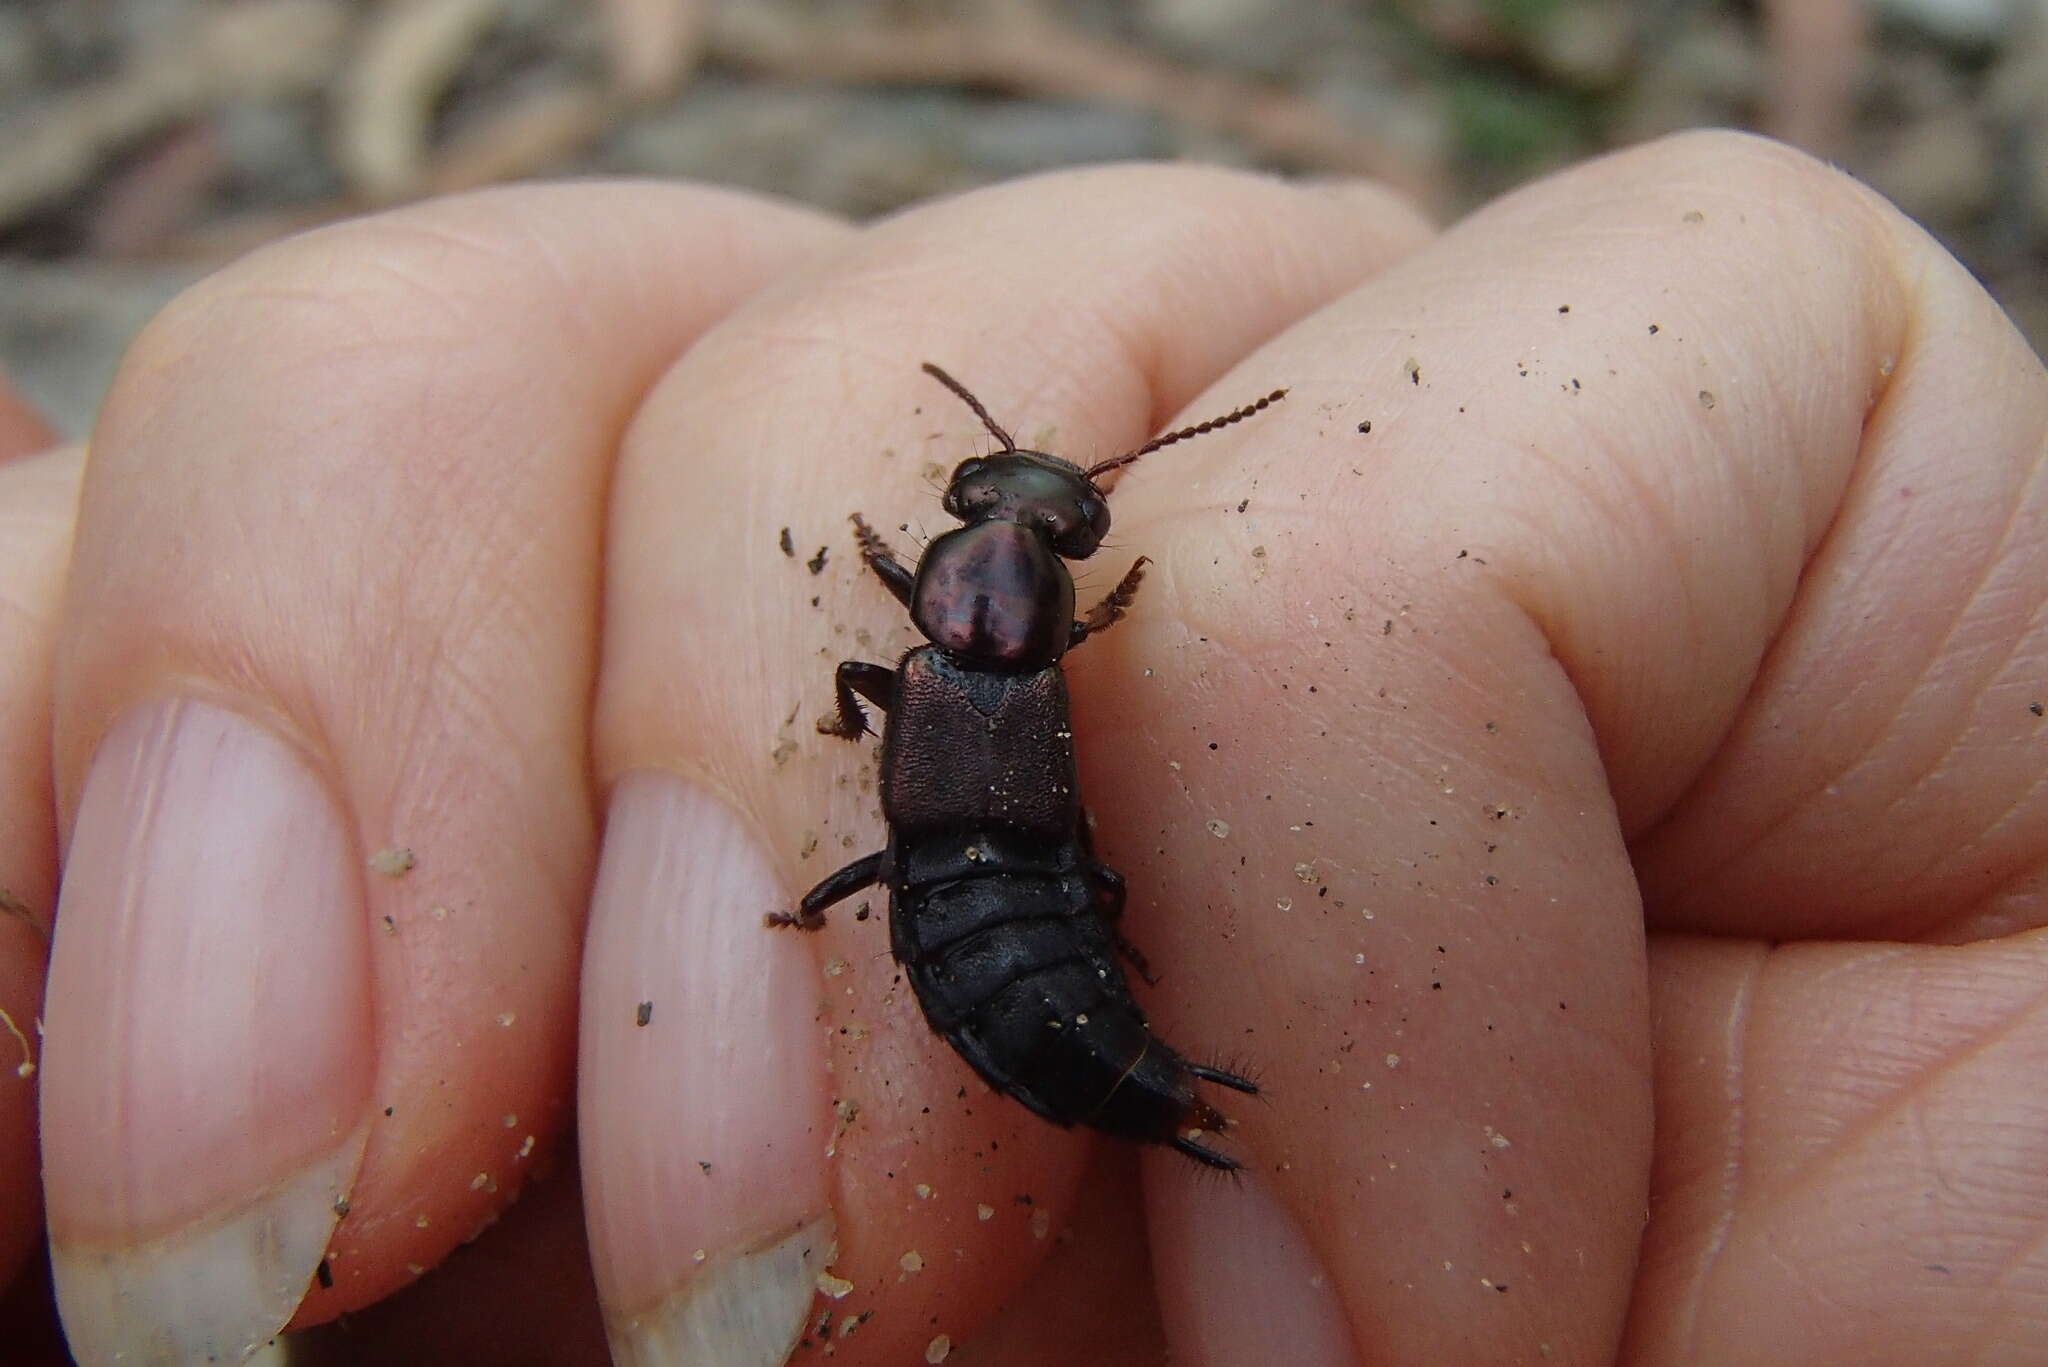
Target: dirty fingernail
(702, 1108)
(209, 1040)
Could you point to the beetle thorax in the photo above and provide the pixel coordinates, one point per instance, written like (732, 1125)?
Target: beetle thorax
(993, 595)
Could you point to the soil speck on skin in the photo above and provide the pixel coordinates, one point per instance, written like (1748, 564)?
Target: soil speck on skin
(788, 544)
(393, 862)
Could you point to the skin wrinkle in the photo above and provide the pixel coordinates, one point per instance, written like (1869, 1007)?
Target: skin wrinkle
(1863, 1129)
(1716, 1243)
(1993, 561)
(2003, 1310)
(1584, 675)
(1876, 732)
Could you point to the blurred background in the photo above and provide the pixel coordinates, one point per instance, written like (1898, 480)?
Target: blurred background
(144, 142)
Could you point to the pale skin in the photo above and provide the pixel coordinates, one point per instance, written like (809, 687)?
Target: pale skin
(1625, 790)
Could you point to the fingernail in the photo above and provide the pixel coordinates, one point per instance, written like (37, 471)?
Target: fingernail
(702, 1104)
(208, 1040)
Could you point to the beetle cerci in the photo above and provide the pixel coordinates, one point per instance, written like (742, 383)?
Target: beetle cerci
(1000, 913)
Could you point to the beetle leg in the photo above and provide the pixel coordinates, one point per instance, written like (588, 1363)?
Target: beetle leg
(897, 577)
(1134, 957)
(1112, 606)
(1108, 888)
(836, 887)
(876, 683)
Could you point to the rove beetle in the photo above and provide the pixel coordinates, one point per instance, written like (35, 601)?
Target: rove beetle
(1000, 913)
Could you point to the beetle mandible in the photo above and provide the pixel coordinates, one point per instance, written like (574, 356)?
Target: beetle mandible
(1000, 913)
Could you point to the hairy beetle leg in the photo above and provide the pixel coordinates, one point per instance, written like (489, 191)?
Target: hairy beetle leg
(876, 683)
(1113, 606)
(896, 576)
(836, 887)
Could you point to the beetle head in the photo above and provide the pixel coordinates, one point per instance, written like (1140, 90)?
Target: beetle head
(1057, 499)
(1052, 497)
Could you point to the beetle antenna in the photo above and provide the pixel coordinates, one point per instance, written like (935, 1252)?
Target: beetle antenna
(1239, 415)
(1009, 443)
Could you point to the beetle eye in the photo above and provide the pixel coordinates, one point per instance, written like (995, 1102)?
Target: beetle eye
(970, 490)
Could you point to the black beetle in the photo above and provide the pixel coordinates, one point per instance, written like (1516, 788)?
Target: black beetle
(1000, 913)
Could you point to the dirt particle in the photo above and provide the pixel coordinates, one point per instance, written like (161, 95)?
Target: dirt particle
(643, 1013)
(393, 862)
(787, 543)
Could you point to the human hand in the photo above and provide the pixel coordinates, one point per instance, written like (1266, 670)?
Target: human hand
(1690, 547)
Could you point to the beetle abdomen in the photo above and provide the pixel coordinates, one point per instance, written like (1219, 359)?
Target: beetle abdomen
(1019, 973)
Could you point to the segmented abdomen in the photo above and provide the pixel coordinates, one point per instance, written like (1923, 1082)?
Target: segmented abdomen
(1019, 973)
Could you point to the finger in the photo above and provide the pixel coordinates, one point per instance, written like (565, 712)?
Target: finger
(38, 498)
(23, 430)
(321, 730)
(1853, 1155)
(1877, 770)
(1085, 307)
(1562, 471)
(520, 1292)
(1091, 1299)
